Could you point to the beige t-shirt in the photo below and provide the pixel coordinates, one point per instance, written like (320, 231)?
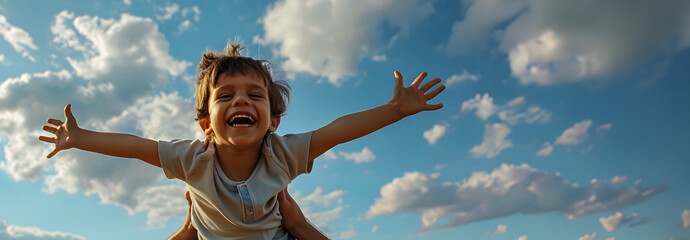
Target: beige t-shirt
(226, 209)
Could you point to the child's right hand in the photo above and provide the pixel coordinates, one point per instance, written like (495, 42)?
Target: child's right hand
(64, 133)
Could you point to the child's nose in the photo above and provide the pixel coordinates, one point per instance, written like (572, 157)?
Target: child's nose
(241, 100)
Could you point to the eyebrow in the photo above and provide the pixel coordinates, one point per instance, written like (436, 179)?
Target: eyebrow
(252, 86)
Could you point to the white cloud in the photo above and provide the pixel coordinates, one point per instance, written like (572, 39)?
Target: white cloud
(483, 103)
(575, 134)
(327, 38)
(506, 191)
(619, 179)
(512, 112)
(348, 234)
(588, 237)
(379, 58)
(439, 166)
(546, 151)
(64, 35)
(524, 237)
(32, 233)
(685, 215)
(604, 127)
(17, 37)
(432, 135)
(366, 155)
(193, 9)
(330, 155)
(127, 2)
(543, 47)
(184, 26)
(611, 238)
(2, 59)
(612, 222)
(375, 228)
(501, 229)
(402, 193)
(461, 78)
(494, 141)
(319, 199)
(167, 12)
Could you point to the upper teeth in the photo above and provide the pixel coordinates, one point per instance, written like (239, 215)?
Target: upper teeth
(241, 115)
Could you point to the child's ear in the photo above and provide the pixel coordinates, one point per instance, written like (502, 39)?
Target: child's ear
(274, 124)
(205, 125)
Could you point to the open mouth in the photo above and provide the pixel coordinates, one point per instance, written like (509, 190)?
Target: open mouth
(241, 120)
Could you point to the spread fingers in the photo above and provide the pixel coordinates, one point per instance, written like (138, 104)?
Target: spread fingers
(55, 122)
(430, 84)
(47, 139)
(50, 129)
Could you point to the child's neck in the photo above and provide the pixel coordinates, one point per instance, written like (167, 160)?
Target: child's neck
(238, 164)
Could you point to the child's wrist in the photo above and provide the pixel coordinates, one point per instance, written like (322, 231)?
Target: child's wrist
(395, 108)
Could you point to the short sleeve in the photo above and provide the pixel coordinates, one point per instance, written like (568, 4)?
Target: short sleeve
(291, 152)
(178, 157)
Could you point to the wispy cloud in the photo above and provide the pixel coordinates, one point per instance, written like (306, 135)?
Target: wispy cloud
(10, 232)
(458, 78)
(20, 40)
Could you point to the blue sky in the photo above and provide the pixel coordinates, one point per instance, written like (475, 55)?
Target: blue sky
(561, 120)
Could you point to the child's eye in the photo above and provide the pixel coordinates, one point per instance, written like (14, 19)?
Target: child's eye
(255, 95)
(225, 96)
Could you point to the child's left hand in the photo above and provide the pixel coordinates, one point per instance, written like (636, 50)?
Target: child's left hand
(413, 99)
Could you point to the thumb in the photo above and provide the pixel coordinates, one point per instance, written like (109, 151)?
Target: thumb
(51, 154)
(68, 113)
(398, 79)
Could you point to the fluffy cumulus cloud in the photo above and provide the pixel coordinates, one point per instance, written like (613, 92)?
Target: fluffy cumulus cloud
(685, 216)
(506, 191)
(593, 40)
(575, 134)
(110, 90)
(20, 40)
(524, 237)
(10, 232)
(494, 141)
(432, 135)
(612, 222)
(327, 38)
(484, 104)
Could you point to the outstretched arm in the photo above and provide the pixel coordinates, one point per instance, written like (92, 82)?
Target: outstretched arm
(69, 135)
(406, 101)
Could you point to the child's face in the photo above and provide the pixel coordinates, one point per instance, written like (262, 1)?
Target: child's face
(239, 111)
